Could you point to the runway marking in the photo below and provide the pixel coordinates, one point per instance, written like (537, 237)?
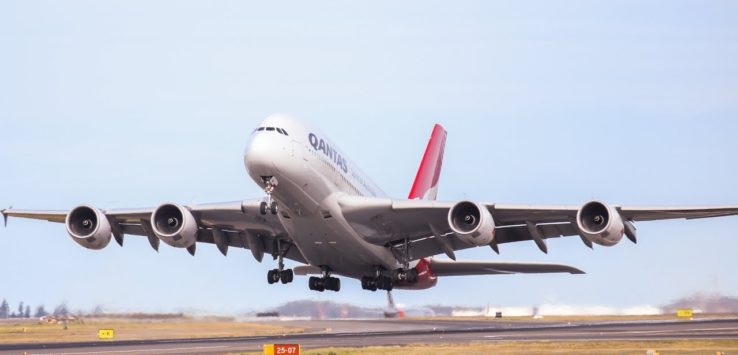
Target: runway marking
(712, 329)
(619, 332)
(138, 350)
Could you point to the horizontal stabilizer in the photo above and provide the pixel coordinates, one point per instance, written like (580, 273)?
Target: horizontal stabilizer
(463, 268)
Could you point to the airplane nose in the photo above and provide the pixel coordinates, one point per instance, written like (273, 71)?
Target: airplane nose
(258, 156)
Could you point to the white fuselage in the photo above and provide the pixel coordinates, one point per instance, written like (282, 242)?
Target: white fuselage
(312, 173)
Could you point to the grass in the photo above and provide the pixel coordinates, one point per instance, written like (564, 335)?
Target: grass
(134, 330)
(679, 347)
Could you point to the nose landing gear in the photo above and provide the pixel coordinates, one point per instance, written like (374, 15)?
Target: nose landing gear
(269, 205)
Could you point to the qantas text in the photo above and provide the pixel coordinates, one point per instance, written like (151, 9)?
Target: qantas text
(332, 154)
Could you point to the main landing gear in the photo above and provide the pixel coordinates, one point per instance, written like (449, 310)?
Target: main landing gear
(377, 283)
(276, 275)
(281, 274)
(269, 206)
(326, 282)
(380, 281)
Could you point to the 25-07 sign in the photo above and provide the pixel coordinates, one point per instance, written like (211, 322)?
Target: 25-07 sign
(282, 349)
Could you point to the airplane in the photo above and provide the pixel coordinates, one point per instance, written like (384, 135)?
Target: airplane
(392, 311)
(324, 213)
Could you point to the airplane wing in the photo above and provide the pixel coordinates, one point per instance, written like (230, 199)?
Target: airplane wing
(464, 268)
(424, 224)
(230, 224)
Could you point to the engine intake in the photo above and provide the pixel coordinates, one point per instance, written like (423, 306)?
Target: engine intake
(174, 225)
(89, 227)
(600, 223)
(472, 223)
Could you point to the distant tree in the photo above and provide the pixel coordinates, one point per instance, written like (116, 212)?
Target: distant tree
(19, 314)
(40, 312)
(4, 309)
(27, 313)
(98, 310)
(61, 310)
(13, 315)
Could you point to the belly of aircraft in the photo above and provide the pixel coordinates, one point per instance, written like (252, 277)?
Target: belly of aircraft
(324, 243)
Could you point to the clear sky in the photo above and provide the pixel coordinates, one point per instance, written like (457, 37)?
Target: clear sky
(133, 103)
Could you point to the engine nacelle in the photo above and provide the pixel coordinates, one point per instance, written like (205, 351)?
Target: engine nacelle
(600, 223)
(472, 223)
(174, 225)
(89, 227)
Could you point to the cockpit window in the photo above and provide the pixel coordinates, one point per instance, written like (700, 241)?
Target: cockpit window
(272, 129)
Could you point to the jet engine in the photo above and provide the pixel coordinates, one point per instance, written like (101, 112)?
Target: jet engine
(174, 225)
(89, 227)
(472, 223)
(600, 223)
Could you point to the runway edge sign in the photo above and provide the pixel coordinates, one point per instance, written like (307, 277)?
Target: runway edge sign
(685, 313)
(106, 334)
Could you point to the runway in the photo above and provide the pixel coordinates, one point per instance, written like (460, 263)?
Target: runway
(359, 333)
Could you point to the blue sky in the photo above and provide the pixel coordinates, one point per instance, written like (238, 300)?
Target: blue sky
(133, 103)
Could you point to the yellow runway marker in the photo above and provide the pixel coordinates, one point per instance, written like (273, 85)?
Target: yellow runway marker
(106, 334)
(685, 313)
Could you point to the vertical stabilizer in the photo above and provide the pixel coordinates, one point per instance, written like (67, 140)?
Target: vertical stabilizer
(391, 301)
(425, 186)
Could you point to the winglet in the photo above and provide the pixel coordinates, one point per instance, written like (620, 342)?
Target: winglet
(5, 215)
(426, 181)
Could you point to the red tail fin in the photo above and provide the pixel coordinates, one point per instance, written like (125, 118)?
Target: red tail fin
(425, 186)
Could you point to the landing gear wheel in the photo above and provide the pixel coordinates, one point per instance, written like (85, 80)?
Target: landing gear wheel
(317, 284)
(273, 276)
(263, 208)
(385, 283)
(412, 276)
(273, 207)
(369, 283)
(286, 276)
(334, 284)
